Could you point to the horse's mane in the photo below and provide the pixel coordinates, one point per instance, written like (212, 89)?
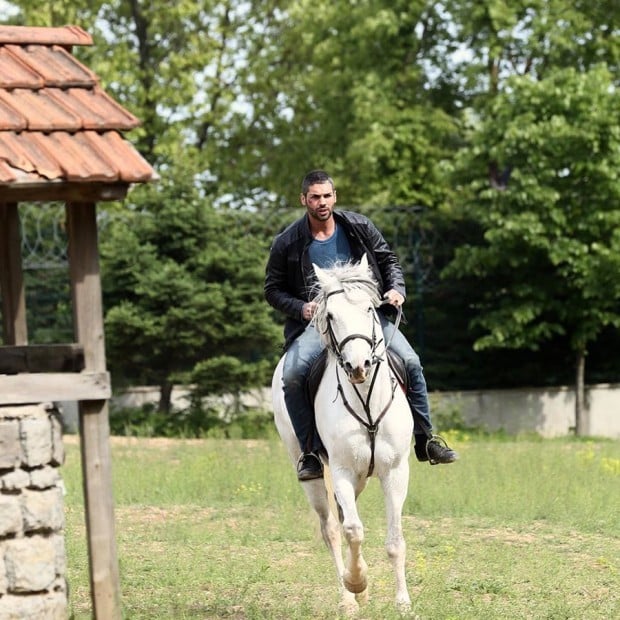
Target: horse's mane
(359, 286)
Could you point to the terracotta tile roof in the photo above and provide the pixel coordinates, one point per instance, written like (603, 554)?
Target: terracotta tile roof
(56, 122)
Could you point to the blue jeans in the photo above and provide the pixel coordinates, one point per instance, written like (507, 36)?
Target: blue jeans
(306, 349)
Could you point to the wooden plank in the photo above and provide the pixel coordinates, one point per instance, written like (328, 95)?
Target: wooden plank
(14, 326)
(94, 422)
(47, 191)
(46, 387)
(41, 358)
(99, 503)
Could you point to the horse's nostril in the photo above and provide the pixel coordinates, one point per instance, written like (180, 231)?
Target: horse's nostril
(367, 364)
(348, 367)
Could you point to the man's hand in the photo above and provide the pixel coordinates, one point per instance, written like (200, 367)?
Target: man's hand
(394, 298)
(308, 310)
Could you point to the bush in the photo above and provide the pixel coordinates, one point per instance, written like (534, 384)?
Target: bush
(447, 416)
(196, 421)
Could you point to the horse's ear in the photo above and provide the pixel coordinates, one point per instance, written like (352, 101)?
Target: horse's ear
(321, 275)
(364, 262)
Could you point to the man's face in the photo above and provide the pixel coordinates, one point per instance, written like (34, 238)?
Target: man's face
(319, 201)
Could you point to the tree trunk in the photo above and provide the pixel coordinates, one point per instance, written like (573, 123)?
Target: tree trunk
(165, 398)
(580, 401)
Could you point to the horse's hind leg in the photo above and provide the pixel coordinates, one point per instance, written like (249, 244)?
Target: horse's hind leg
(394, 486)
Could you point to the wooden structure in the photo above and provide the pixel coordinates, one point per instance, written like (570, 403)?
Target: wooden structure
(60, 141)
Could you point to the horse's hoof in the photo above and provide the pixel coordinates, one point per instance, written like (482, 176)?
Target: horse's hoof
(356, 588)
(348, 606)
(362, 597)
(404, 608)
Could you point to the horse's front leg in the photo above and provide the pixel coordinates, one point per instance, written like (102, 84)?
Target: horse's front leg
(394, 485)
(316, 492)
(355, 571)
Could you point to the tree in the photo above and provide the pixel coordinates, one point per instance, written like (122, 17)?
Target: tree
(500, 39)
(349, 87)
(552, 235)
(180, 286)
(245, 97)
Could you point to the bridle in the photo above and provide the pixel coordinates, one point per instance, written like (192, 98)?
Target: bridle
(372, 426)
(336, 347)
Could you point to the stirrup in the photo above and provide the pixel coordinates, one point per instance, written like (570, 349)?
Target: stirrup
(437, 439)
(318, 473)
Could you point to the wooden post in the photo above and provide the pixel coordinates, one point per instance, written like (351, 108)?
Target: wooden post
(14, 326)
(94, 422)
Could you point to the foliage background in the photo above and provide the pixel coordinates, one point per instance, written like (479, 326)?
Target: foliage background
(416, 108)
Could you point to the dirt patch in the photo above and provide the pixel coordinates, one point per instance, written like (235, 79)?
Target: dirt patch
(508, 536)
(148, 515)
(161, 442)
(149, 442)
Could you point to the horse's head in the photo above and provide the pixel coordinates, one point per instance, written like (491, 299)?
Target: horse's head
(346, 316)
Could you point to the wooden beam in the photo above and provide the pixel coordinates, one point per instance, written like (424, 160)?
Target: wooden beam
(64, 192)
(94, 422)
(85, 278)
(41, 358)
(46, 387)
(14, 326)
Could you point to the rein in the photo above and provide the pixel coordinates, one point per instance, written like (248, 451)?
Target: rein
(399, 316)
(372, 426)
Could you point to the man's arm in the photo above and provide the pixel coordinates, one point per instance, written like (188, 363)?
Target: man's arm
(276, 287)
(389, 265)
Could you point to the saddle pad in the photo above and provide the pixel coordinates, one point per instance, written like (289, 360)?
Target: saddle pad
(316, 374)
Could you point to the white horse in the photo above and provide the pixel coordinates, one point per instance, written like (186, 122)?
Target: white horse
(364, 422)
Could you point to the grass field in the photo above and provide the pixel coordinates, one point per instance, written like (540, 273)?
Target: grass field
(221, 529)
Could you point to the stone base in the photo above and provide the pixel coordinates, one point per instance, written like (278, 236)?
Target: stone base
(32, 546)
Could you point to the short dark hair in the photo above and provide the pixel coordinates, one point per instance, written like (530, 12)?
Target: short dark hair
(314, 177)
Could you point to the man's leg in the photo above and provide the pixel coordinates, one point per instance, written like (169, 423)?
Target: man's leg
(425, 447)
(299, 359)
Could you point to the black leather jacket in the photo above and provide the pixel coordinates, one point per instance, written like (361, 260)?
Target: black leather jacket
(290, 281)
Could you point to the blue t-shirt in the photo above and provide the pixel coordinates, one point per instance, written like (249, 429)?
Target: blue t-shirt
(325, 253)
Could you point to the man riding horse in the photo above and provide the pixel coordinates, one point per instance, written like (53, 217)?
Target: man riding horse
(323, 237)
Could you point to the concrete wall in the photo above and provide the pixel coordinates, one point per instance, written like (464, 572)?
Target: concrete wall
(547, 411)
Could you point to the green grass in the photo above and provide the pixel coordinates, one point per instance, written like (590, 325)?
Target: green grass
(221, 529)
